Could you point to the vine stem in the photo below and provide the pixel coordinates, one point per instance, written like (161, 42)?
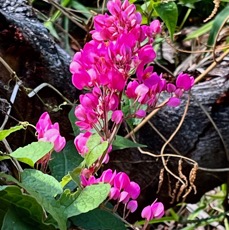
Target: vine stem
(212, 66)
(169, 140)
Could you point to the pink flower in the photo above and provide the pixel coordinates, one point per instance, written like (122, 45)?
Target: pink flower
(81, 141)
(155, 210)
(124, 197)
(108, 176)
(116, 80)
(173, 102)
(112, 102)
(132, 205)
(140, 114)
(50, 132)
(53, 136)
(184, 81)
(155, 27)
(170, 88)
(80, 79)
(121, 180)
(86, 182)
(133, 189)
(117, 116)
(44, 123)
(142, 91)
(130, 90)
(114, 193)
(87, 117)
(146, 54)
(88, 101)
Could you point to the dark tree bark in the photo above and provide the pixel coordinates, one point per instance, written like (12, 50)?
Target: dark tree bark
(29, 50)
(42, 59)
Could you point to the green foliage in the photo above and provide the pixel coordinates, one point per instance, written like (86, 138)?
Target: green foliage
(72, 119)
(44, 188)
(219, 21)
(6, 132)
(123, 143)
(46, 193)
(96, 149)
(200, 31)
(99, 220)
(168, 12)
(36, 182)
(89, 198)
(33, 152)
(64, 162)
(20, 211)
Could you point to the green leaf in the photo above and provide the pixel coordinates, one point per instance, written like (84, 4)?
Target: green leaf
(14, 222)
(81, 8)
(52, 30)
(64, 162)
(93, 141)
(123, 143)
(219, 20)
(168, 12)
(95, 153)
(95, 149)
(37, 182)
(72, 118)
(99, 220)
(6, 132)
(15, 206)
(33, 152)
(188, 3)
(200, 31)
(4, 157)
(68, 197)
(155, 221)
(90, 198)
(44, 188)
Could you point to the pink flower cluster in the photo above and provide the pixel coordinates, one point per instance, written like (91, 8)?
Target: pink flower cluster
(183, 83)
(122, 189)
(46, 131)
(116, 65)
(120, 46)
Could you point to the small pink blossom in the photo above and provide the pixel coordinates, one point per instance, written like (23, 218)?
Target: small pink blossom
(124, 197)
(81, 141)
(178, 92)
(121, 180)
(133, 189)
(142, 91)
(184, 81)
(173, 102)
(140, 113)
(130, 90)
(108, 176)
(88, 100)
(117, 116)
(114, 193)
(155, 210)
(46, 131)
(132, 205)
(170, 88)
(155, 27)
